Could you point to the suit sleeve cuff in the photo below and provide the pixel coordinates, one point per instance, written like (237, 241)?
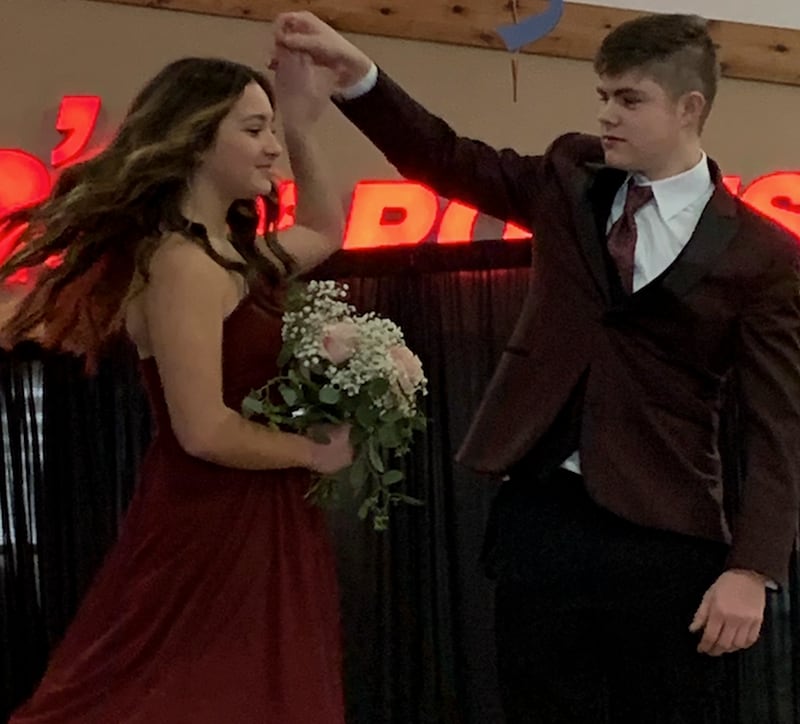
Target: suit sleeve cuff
(361, 87)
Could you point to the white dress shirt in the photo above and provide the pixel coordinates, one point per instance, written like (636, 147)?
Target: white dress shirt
(663, 227)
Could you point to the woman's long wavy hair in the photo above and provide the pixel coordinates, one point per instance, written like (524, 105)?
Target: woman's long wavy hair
(106, 216)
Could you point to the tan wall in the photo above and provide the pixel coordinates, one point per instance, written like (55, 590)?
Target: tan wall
(52, 47)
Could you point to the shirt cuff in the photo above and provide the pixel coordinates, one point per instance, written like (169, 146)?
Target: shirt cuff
(360, 88)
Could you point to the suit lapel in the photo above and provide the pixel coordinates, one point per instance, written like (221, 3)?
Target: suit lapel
(593, 195)
(712, 235)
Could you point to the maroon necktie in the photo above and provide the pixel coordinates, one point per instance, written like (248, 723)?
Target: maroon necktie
(622, 237)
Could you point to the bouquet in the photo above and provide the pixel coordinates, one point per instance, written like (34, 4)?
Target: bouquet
(337, 366)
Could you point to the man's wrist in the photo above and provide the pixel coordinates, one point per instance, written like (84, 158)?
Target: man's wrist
(756, 576)
(360, 87)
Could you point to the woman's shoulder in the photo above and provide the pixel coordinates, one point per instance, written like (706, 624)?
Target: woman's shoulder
(182, 272)
(179, 258)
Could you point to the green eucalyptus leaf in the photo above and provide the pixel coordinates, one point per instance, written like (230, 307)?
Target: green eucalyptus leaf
(392, 477)
(289, 395)
(285, 355)
(391, 417)
(418, 424)
(349, 403)
(388, 436)
(358, 474)
(366, 415)
(251, 406)
(329, 395)
(378, 388)
(367, 504)
(401, 498)
(358, 435)
(374, 456)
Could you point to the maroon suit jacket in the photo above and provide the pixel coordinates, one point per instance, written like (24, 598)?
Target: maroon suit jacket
(654, 362)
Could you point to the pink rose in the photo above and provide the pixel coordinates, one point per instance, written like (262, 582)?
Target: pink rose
(339, 341)
(408, 366)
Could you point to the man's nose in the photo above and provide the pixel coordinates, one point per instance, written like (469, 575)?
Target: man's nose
(607, 115)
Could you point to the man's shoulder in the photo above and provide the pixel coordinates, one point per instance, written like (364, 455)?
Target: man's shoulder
(766, 232)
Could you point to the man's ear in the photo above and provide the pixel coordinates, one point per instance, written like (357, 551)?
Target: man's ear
(693, 106)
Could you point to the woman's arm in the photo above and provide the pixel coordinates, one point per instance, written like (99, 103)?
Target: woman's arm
(303, 91)
(185, 304)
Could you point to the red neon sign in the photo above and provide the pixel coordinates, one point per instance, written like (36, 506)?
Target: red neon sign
(389, 213)
(77, 118)
(25, 180)
(381, 212)
(777, 195)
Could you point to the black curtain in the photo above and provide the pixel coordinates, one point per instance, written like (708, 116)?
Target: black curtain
(72, 444)
(23, 646)
(417, 610)
(95, 430)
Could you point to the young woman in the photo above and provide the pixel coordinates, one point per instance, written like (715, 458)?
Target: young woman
(219, 602)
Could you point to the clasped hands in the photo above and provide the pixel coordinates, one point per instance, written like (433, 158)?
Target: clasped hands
(311, 61)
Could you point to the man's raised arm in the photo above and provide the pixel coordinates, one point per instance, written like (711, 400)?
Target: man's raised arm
(422, 147)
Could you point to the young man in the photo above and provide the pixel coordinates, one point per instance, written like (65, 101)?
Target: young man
(619, 580)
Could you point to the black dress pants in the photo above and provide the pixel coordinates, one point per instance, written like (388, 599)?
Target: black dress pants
(593, 612)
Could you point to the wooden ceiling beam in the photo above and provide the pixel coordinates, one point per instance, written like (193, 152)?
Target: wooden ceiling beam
(752, 52)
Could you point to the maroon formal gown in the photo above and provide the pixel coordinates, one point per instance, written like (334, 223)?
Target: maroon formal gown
(219, 602)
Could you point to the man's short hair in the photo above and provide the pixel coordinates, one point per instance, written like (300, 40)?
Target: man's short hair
(675, 50)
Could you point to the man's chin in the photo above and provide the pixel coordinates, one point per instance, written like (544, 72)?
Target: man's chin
(616, 160)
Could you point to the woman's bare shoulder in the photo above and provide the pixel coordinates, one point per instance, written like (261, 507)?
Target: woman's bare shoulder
(177, 256)
(180, 275)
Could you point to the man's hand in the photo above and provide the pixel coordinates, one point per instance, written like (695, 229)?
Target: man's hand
(306, 33)
(731, 613)
(303, 90)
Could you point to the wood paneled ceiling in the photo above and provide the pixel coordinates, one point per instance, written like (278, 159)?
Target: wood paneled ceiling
(754, 52)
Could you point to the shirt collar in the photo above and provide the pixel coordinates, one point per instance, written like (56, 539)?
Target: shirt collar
(674, 194)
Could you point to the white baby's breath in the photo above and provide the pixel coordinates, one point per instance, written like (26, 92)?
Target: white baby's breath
(338, 366)
(326, 305)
